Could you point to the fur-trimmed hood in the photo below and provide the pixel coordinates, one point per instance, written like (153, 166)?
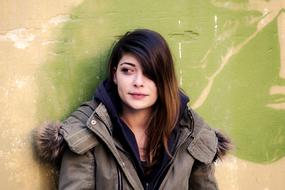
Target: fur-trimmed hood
(224, 145)
(49, 142)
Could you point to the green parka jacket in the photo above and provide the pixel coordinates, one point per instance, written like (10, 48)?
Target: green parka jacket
(92, 159)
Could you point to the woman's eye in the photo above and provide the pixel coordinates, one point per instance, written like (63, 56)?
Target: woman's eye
(127, 70)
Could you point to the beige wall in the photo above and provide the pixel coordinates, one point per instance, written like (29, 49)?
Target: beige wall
(27, 31)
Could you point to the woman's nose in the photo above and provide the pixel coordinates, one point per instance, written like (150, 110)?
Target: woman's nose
(139, 80)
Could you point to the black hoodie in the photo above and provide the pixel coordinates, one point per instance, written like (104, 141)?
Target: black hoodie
(109, 97)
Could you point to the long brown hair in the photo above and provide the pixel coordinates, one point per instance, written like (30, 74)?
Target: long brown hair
(154, 55)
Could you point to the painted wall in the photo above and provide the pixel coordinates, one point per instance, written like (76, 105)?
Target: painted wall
(230, 59)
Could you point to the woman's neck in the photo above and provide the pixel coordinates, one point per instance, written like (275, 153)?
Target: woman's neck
(137, 121)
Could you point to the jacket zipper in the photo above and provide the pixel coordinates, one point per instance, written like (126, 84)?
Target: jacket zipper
(113, 152)
(120, 183)
(120, 179)
(147, 186)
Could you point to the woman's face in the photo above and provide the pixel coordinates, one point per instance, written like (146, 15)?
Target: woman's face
(136, 91)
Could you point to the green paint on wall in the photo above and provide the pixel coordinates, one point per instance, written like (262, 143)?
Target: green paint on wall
(200, 34)
(240, 95)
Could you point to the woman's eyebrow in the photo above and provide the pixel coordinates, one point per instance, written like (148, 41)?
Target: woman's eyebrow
(127, 63)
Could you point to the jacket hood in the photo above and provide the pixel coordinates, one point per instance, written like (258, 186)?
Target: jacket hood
(224, 145)
(109, 97)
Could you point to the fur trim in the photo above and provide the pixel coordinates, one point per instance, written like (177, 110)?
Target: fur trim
(224, 145)
(49, 142)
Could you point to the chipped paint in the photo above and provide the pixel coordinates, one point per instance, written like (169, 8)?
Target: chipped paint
(21, 82)
(277, 90)
(281, 34)
(216, 24)
(268, 18)
(45, 43)
(54, 22)
(180, 50)
(240, 172)
(180, 78)
(279, 104)
(21, 37)
(59, 19)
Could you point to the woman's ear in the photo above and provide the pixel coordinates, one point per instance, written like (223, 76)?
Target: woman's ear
(114, 75)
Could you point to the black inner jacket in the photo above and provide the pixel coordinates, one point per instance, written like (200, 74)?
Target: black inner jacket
(125, 136)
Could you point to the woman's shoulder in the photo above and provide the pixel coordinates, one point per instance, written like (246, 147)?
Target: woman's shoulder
(52, 138)
(208, 144)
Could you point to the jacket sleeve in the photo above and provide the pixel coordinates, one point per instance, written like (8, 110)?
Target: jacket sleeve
(71, 143)
(77, 169)
(202, 177)
(207, 146)
(77, 172)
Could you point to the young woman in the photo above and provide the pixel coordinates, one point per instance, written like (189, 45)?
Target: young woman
(137, 132)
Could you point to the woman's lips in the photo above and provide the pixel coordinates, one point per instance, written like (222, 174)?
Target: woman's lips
(137, 95)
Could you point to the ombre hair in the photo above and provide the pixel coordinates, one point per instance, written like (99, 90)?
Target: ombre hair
(153, 53)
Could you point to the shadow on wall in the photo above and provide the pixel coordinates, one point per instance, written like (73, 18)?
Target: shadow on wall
(74, 67)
